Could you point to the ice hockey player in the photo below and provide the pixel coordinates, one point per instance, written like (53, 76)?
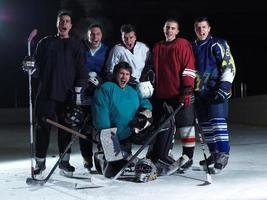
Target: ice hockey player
(216, 72)
(118, 105)
(174, 66)
(136, 53)
(60, 67)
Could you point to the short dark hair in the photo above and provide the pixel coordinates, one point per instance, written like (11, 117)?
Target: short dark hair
(201, 19)
(127, 28)
(64, 12)
(95, 26)
(122, 65)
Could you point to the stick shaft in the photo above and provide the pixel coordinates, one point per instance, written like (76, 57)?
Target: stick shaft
(76, 133)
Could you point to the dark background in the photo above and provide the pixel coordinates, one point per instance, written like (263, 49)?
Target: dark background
(242, 24)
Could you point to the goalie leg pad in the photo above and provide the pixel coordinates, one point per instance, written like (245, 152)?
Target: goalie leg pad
(163, 144)
(111, 145)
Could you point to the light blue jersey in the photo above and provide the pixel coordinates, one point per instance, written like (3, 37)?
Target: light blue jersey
(115, 107)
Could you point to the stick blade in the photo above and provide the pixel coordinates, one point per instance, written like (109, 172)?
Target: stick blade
(209, 179)
(32, 181)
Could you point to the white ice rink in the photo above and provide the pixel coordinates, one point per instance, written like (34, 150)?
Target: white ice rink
(244, 178)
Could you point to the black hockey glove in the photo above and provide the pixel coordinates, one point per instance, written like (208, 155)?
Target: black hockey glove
(187, 96)
(223, 92)
(132, 82)
(141, 121)
(28, 63)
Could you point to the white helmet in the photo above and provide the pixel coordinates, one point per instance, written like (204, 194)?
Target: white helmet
(145, 89)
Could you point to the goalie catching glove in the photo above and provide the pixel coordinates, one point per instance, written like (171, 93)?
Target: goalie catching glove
(141, 121)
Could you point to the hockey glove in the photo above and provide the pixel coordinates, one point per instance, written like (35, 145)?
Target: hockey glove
(132, 82)
(145, 89)
(141, 121)
(28, 64)
(93, 82)
(223, 92)
(187, 96)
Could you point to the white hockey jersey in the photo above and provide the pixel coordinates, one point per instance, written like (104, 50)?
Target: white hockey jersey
(137, 59)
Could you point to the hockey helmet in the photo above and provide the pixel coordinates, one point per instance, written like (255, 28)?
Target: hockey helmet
(145, 170)
(74, 115)
(145, 89)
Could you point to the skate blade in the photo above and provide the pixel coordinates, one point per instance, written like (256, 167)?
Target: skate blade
(184, 171)
(39, 176)
(173, 169)
(65, 173)
(204, 168)
(217, 171)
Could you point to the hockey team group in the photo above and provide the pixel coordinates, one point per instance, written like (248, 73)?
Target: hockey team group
(128, 94)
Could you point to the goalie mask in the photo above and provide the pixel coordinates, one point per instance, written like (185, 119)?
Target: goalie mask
(74, 115)
(145, 89)
(145, 170)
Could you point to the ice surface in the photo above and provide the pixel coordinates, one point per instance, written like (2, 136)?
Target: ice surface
(244, 178)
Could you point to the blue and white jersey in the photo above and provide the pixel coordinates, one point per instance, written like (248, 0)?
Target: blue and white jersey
(214, 63)
(95, 60)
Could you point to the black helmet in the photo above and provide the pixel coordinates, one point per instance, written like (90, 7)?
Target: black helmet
(74, 115)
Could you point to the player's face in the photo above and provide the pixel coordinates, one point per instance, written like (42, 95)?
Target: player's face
(170, 30)
(63, 26)
(123, 77)
(129, 39)
(95, 37)
(202, 30)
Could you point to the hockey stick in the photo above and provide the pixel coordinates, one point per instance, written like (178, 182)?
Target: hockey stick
(201, 138)
(34, 181)
(69, 130)
(30, 38)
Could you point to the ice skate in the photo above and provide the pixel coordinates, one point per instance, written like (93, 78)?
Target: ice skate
(162, 167)
(39, 167)
(210, 161)
(178, 164)
(185, 167)
(88, 163)
(66, 169)
(221, 162)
